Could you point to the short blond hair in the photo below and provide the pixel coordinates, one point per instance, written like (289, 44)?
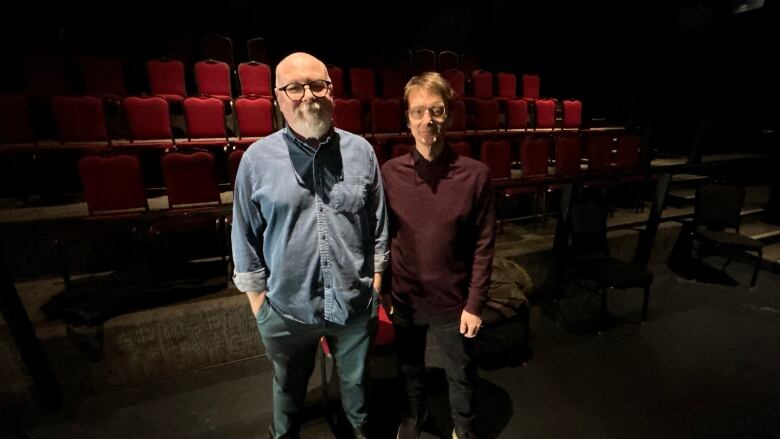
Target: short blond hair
(434, 83)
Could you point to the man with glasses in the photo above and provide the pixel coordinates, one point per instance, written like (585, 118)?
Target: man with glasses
(442, 213)
(310, 243)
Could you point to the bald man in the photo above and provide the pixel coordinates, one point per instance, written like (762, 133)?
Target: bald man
(310, 243)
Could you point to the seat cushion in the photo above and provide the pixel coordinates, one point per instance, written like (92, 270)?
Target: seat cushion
(729, 239)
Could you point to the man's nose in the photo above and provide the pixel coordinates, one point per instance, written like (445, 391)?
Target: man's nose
(306, 88)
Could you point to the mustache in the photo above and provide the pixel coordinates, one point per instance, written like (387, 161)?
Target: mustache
(309, 107)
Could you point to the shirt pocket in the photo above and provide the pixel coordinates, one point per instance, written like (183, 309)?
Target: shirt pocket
(349, 195)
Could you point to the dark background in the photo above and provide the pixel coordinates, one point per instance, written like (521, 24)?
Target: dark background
(663, 68)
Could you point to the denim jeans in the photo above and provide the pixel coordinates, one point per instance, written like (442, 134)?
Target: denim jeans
(292, 348)
(460, 369)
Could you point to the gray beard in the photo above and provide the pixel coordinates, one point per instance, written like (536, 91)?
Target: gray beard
(309, 122)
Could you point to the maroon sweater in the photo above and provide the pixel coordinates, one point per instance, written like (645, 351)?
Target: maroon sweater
(442, 232)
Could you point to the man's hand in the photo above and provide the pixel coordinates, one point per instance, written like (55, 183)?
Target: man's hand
(256, 301)
(469, 324)
(387, 303)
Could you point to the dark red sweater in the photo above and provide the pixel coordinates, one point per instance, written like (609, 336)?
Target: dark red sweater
(442, 232)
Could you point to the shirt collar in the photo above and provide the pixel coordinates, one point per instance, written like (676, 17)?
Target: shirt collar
(295, 137)
(431, 171)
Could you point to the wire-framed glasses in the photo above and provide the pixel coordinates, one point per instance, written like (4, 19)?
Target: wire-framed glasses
(436, 112)
(295, 90)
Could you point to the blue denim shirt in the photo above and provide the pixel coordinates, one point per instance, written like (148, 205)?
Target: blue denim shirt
(309, 225)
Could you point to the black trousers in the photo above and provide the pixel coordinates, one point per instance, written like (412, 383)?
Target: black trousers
(460, 369)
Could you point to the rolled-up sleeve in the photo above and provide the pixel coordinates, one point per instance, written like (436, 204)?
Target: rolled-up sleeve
(379, 220)
(251, 271)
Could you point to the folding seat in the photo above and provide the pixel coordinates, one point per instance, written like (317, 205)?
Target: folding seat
(103, 77)
(516, 114)
(336, 74)
(544, 114)
(255, 79)
(457, 81)
(218, 47)
(254, 117)
(447, 60)
(166, 79)
(257, 50)
(482, 84)
(568, 158)
(627, 149)
(80, 122)
(205, 122)
(386, 116)
(530, 87)
(507, 85)
(213, 78)
(497, 154)
(362, 83)
(568, 154)
(113, 185)
(572, 113)
(486, 115)
(599, 153)
(716, 223)
(393, 83)
(424, 60)
(190, 180)
(534, 163)
(458, 115)
(599, 150)
(348, 115)
(149, 123)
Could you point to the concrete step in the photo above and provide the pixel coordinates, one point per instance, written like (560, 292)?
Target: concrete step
(772, 255)
(681, 180)
(681, 197)
(683, 192)
(767, 233)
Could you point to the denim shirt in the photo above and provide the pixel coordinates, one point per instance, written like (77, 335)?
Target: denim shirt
(310, 225)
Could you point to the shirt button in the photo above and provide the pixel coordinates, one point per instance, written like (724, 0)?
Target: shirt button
(324, 263)
(324, 238)
(321, 209)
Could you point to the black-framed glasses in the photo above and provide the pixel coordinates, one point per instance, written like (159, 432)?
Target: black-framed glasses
(295, 91)
(436, 112)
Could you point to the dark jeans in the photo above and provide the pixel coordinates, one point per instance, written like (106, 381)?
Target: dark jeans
(292, 347)
(461, 371)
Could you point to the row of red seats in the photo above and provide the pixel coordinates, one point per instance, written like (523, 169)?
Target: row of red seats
(82, 119)
(46, 76)
(81, 122)
(380, 116)
(115, 183)
(103, 77)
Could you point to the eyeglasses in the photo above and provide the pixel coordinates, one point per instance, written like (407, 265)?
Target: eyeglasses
(436, 112)
(295, 91)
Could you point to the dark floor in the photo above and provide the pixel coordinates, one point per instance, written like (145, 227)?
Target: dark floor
(706, 364)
